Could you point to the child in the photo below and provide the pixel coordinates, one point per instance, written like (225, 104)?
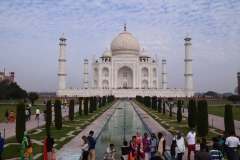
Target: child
(197, 147)
(174, 150)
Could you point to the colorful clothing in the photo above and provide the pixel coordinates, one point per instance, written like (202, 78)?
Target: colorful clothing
(216, 154)
(132, 151)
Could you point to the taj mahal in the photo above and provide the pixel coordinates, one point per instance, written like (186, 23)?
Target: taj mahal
(125, 71)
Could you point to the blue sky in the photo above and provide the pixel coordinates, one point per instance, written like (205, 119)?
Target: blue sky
(30, 32)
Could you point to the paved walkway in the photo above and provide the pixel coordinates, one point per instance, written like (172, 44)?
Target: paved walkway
(32, 124)
(218, 122)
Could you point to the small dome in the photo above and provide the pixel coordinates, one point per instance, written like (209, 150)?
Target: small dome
(106, 53)
(63, 37)
(143, 53)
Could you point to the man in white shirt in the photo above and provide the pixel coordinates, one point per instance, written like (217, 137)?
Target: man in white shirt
(233, 144)
(191, 140)
(180, 145)
(110, 152)
(37, 113)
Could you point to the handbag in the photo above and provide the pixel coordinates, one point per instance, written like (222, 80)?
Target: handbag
(142, 155)
(53, 156)
(26, 154)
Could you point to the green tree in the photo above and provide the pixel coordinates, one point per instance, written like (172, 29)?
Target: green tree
(228, 119)
(71, 110)
(192, 114)
(164, 108)
(20, 122)
(80, 106)
(202, 115)
(179, 111)
(32, 97)
(91, 105)
(104, 101)
(48, 116)
(170, 110)
(234, 99)
(94, 103)
(154, 103)
(58, 115)
(15, 91)
(159, 105)
(86, 106)
(4, 87)
(100, 102)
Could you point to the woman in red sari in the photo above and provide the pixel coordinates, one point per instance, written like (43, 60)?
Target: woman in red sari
(12, 117)
(133, 149)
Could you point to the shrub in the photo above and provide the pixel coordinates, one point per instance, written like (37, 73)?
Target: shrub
(202, 116)
(170, 110)
(104, 101)
(58, 114)
(159, 105)
(94, 103)
(154, 103)
(48, 116)
(71, 110)
(228, 119)
(80, 106)
(91, 105)
(192, 114)
(100, 102)
(164, 109)
(20, 122)
(179, 111)
(86, 106)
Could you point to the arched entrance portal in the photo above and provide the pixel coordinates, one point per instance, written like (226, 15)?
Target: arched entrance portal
(125, 78)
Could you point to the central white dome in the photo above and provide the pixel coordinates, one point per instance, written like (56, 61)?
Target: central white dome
(125, 44)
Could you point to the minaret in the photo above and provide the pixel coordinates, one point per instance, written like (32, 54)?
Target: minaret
(85, 83)
(188, 64)
(62, 63)
(164, 74)
(238, 76)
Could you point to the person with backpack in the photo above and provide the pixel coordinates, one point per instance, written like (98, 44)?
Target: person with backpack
(215, 153)
(180, 145)
(174, 150)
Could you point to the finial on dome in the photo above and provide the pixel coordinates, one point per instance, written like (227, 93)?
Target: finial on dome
(125, 27)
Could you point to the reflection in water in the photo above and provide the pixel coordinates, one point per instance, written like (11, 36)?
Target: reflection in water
(113, 132)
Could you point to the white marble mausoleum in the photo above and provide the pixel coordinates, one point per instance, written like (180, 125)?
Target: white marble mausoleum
(125, 71)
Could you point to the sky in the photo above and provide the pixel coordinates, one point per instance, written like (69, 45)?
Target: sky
(30, 32)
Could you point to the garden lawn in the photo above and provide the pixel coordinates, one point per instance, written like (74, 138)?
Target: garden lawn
(219, 111)
(79, 123)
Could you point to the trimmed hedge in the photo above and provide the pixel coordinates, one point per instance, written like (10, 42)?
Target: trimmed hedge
(228, 119)
(159, 105)
(202, 116)
(164, 109)
(58, 114)
(179, 111)
(20, 122)
(192, 114)
(80, 106)
(71, 110)
(94, 103)
(48, 116)
(86, 106)
(91, 105)
(100, 102)
(104, 101)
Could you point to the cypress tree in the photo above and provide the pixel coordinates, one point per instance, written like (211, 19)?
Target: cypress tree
(58, 115)
(20, 122)
(154, 103)
(164, 107)
(192, 114)
(228, 119)
(71, 110)
(91, 105)
(159, 105)
(80, 106)
(100, 102)
(104, 101)
(202, 116)
(48, 116)
(179, 111)
(95, 103)
(170, 110)
(86, 106)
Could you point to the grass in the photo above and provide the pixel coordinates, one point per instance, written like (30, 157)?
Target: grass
(166, 121)
(219, 111)
(12, 151)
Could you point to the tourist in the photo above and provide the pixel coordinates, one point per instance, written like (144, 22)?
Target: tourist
(139, 144)
(161, 145)
(225, 148)
(65, 107)
(37, 113)
(174, 150)
(109, 153)
(191, 140)
(146, 146)
(85, 147)
(181, 145)
(125, 151)
(29, 146)
(6, 116)
(202, 154)
(48, 147)
(133, 149)
(220, 143)
(26, 147)
(1, 146)
(215, 140)
(197, 146)
(27, 114)
(45, 114)
(11, 117)
(233, 144)
(205, 142)
(215, 153)
(91, 149)
(153, 145)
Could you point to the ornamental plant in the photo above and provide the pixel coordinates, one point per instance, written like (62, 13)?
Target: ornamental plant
(192, 113)
(202, 116)
(20, 122)
(86, 106)
(228, 119)
(71, 110)
(58, 115)
(48, 116)
(80, 106)
(179, 111)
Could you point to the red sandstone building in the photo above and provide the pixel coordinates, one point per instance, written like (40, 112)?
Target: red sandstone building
(238, 76)
(10, 77)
